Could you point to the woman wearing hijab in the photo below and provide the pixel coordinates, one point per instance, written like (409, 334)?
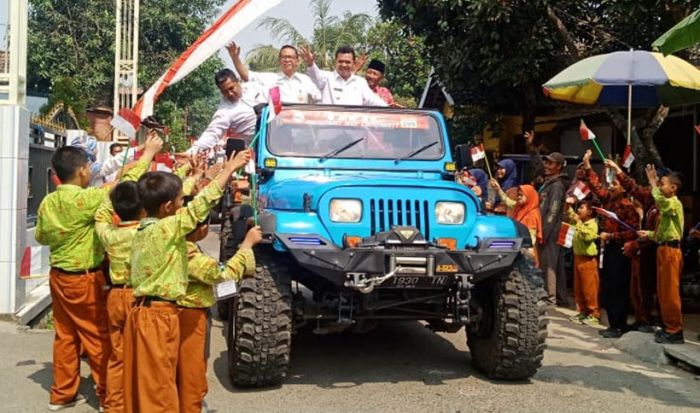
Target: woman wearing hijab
(526, 210)
(507, 175)
(476, 180)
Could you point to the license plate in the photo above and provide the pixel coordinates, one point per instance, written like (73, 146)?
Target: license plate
(417, 281)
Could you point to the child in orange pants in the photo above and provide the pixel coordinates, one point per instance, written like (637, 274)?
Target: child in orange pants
(204, 271)
(585, 263)
(669, 258)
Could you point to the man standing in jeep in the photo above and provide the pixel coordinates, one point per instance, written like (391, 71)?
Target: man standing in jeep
(342, 86)
(552, 193)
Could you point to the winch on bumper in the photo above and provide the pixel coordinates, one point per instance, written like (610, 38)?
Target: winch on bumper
(401, 258)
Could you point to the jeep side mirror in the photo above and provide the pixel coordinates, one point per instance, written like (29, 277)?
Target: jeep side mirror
(463, 156)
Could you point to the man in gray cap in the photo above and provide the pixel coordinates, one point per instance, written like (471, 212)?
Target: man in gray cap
(552, 207)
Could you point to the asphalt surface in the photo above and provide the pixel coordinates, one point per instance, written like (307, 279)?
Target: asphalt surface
(399, 367)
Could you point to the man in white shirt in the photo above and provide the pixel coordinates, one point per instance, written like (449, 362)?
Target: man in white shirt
(294, 87)
(235, 114)
(342, 86)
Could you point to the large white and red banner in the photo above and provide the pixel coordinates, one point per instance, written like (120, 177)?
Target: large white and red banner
(230, 23)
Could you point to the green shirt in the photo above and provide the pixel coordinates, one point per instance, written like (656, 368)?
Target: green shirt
(204, 271)
(159, 251)
(670, 227)
(66, 223)
(116, 240)
(585, 236)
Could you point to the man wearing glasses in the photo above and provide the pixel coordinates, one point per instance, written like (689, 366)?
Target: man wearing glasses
(294, 87)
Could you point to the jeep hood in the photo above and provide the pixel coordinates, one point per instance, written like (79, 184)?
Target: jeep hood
(288, 194)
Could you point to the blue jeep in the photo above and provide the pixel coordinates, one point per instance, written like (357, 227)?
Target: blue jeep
(366, 224)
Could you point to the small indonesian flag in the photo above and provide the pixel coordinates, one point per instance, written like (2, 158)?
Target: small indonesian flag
(31, 262)
(274, 103)
(478, 153)
(581, 190)
(566, 235)
(627, 157)
(586, 134)
(127, 122)
(613, 216)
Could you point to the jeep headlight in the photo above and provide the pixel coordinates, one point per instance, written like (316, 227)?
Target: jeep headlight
(449, 213)
(346, 210)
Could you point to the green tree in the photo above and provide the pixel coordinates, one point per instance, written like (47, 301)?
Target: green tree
(495, 55)
(408, 67)
(74, 39)
(329, 32)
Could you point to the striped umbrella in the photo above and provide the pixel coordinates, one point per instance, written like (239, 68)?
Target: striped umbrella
(632, 79)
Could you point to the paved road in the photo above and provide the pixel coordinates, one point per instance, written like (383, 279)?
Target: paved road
(398, 368)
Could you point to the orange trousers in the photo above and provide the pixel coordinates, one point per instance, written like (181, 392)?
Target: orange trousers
(669, 262)
(80, 319)
(586, 285)
(151, 343)
(119, 303)
(192, 364)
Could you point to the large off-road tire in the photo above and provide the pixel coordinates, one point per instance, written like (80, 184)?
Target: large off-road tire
(508, 343)
(259, 334)
(233, 231)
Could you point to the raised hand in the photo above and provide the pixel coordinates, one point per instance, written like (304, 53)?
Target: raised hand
(495, 185)
(252, 238)
(651, 174)
(153, 144)
(307, 55)
(529, 137)
(234, 51)
(213, 171)
(612, 165)
(587, 159)
(237, 161)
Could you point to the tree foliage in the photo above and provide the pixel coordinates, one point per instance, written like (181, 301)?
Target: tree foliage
(389, 41)
(495, 55)
(74, 39)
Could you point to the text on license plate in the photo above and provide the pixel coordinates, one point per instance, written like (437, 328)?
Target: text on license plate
(417, 281)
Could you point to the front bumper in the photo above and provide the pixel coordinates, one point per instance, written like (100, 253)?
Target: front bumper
(322, 257)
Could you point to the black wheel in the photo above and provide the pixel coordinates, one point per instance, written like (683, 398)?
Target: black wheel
(260, 333)
(233, 230)
(508, 343)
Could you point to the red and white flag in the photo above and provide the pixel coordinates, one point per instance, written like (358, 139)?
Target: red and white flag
(566, 235)
(226, 27)
(127, 122)
(586, 134)
(627, 157)
(31, 267)
(274, 103)
(478, 153)
(581, 190)
(613, 216)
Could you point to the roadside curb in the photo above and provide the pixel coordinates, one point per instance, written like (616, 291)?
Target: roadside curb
(643, 347)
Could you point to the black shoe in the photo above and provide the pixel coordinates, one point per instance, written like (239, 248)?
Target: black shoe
(642, 327)
(611, 332)
(664, 337)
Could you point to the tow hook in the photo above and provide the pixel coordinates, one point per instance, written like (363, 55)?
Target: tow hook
(367, 285)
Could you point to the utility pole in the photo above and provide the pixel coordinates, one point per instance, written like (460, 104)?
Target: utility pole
(126, 57)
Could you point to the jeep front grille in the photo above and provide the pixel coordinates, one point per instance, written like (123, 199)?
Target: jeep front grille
(385, 213)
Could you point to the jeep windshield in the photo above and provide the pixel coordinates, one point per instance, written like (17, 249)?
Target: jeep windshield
(327, 133)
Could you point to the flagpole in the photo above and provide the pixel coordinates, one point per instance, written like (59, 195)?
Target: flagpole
(488, 167)
(629, 110)
(597, 147)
